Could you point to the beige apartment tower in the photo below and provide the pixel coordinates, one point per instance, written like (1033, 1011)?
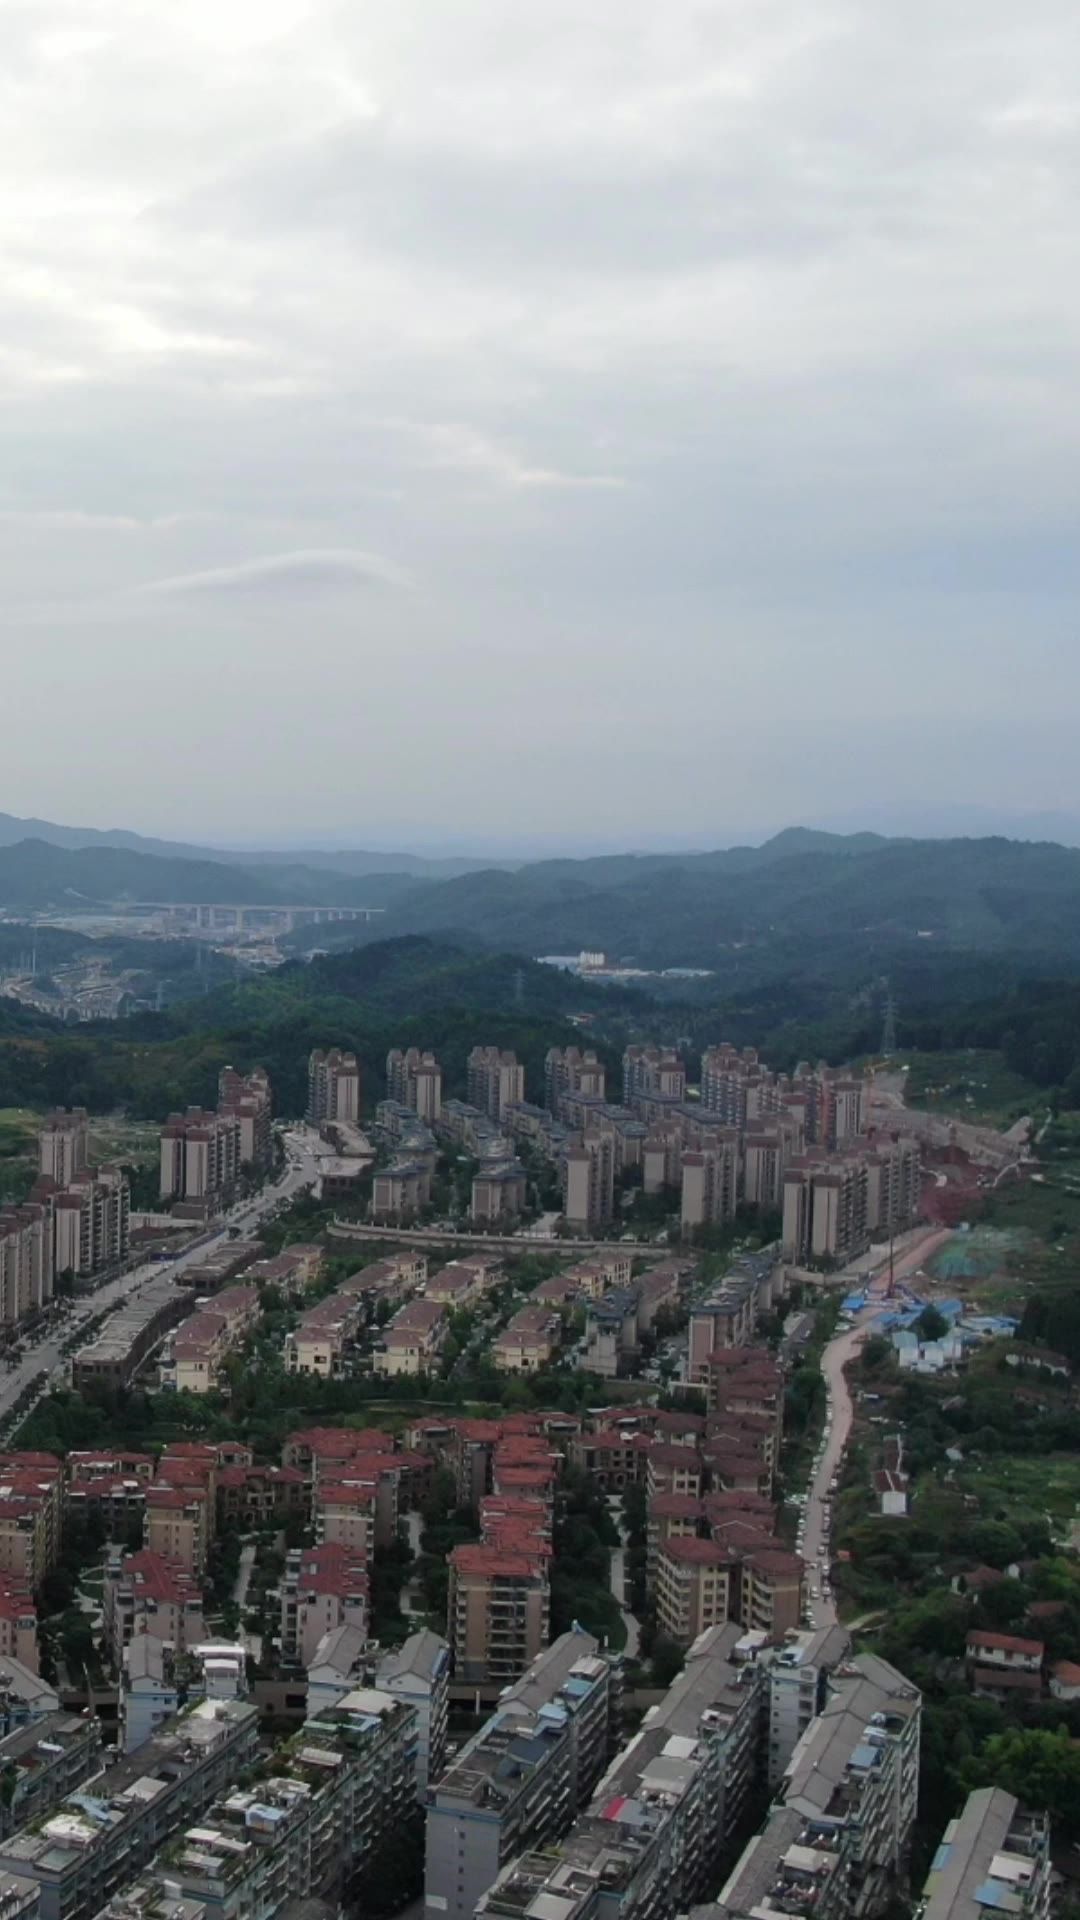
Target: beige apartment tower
(62, 1144)
(333, 1087)
(414, 1079)
(588, 1181)
(498, 1614)
(496, 1080)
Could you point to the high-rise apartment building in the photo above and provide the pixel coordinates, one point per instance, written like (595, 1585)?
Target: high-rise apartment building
(520, 1781)
(245, 1097)
(768, 1149)
(836, 1203)
(91, 1221)
(26, 1260)
(651, 1071)
(62, 1144)
(499, 1610)
(200, 1160)
(567, 1070)
(495, 1079)
(588, 1180)
(710, 1182)
(834, 1843)
(333, 1087)
(414, 1080)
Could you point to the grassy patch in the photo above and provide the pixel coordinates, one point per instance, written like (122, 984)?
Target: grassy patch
(974, 1083)
(18, 1151)
(1048, 1207)
(1020, 1487)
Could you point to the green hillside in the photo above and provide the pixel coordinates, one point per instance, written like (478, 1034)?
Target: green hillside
(700, 909)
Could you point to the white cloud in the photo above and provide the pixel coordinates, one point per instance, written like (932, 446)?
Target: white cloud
(284, 573)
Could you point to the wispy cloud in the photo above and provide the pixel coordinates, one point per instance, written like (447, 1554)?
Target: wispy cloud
(460, 447)
(306, 570)
(76, 520)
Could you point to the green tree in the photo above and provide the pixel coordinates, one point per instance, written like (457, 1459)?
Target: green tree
(1042, 1769)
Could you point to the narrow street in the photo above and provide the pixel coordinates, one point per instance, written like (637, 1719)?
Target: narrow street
(618, 1582)
(252, 1642)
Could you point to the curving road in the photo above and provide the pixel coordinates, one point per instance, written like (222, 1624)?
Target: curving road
(841, 1350)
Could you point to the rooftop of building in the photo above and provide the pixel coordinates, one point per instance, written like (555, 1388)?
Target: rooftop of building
(1004, 1643)
(501, 1760)
(84, 1817)
(987, 1857)
(868, 1701)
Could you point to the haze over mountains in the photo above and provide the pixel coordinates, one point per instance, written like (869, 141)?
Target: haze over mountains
(802, 888)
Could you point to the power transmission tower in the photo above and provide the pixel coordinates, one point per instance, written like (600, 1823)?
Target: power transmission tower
(888, 1031)
(519, 988)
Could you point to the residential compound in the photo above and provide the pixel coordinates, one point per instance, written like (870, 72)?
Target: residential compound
(173, 1831)
(835, 1841)
(92, 1845)
(193, 1355)
(675, 1802)
(402, 1189)
(320, 1807)
(75, 1221)
(752, 1137)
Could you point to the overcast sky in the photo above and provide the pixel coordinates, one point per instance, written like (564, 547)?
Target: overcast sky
(640, 419)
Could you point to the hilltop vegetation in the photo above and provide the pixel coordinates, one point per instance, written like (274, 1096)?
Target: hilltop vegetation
(400, 993)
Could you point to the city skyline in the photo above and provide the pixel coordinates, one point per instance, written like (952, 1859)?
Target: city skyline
(405, 374)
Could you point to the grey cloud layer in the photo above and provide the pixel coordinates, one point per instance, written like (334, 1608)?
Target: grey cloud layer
(704, 362)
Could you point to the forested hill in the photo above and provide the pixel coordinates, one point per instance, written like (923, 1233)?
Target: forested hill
(408, 992)
(700, 909)
(428, 993)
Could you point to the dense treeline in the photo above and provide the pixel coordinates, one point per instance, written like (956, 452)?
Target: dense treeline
(399, 993)
(412, 991)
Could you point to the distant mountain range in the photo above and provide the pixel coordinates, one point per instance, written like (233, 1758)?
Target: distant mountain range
(800, 887)
(805, 890)
(352, 863)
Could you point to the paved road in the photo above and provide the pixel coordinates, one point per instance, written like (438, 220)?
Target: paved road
(301, 1171)
(842, 1349)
